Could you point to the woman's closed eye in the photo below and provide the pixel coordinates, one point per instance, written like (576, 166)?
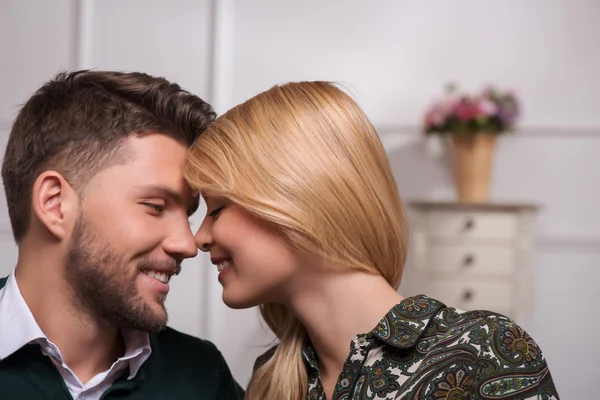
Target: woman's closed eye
(215, 213)
(155, 208)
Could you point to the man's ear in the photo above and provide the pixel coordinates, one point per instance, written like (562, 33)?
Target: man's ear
(55, 203)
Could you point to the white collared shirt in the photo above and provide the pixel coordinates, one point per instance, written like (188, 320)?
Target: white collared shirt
(18, 328)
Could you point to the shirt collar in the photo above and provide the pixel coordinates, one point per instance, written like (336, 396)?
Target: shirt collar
(18, 328)
(137, 349)
(401, 327)
(17, 324)
(406, 322)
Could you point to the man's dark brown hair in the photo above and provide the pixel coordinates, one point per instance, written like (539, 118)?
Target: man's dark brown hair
(76, 124)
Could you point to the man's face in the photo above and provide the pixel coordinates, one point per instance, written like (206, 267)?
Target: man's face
(132, 234)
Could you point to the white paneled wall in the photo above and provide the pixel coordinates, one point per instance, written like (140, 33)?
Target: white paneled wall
(171, 39)
(395, 56)
(37, 40)
(564, 322)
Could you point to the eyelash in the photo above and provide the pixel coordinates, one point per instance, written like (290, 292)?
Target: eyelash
(155, 207)
(215, 213)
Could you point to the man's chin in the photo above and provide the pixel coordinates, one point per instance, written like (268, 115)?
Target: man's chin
(159, 317)
(150, 317)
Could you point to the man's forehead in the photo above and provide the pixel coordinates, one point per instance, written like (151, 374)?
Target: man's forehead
(157, 145)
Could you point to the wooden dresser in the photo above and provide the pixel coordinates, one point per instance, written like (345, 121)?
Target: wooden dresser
(474, 256)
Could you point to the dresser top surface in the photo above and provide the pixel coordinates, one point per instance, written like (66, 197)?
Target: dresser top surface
(426, 205)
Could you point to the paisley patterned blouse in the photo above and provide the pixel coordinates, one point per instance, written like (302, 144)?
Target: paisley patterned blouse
(422, 349)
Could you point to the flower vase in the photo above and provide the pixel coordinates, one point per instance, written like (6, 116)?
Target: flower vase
(472, 161)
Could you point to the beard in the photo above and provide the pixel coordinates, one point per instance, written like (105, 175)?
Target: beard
(105, 288)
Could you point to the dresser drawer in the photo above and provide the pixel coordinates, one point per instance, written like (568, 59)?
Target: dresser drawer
(466, 295)
(471, 259)
(472, 225)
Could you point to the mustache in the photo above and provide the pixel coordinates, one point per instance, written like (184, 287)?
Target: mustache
(169, 266)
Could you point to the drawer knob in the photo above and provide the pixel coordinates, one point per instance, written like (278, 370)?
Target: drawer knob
(469, 260)
(467, 295)
(469, 224)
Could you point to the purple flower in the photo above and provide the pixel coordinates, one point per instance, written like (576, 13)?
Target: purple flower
(508, 110)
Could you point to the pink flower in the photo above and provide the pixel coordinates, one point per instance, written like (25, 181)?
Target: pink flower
(467, 110)
(487, 107)
(448, 104)
(435, 116)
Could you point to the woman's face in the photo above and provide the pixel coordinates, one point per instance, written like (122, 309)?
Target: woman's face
(255, 265)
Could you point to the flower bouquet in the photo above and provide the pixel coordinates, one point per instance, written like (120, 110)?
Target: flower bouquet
(472, 123)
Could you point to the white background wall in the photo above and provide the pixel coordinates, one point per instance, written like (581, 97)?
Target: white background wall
(396, 56)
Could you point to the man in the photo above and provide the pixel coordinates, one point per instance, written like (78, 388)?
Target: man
(99, 209)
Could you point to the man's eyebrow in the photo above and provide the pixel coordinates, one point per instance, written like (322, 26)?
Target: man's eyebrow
(165, 191)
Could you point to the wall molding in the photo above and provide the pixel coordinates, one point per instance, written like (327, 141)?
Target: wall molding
(81, 56)
(222, 52)
(526, 131)
(566, 243)
(83, 39)
(220, 96)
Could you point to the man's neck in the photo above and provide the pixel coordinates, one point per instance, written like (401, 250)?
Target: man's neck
(87, 347)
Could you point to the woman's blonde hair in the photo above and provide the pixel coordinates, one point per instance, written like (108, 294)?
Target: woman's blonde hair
(304, 156)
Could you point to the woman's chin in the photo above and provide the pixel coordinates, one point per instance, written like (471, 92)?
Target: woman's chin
(238, 303)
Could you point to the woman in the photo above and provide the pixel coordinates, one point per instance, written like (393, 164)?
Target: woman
(304, 219)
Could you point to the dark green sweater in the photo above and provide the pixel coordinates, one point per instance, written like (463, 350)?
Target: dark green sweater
(180, 367)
